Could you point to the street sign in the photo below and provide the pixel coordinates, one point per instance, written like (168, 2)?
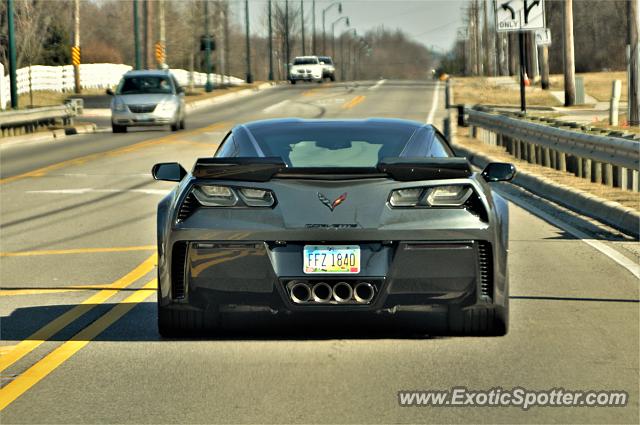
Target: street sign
(519, 15)
(543, 37)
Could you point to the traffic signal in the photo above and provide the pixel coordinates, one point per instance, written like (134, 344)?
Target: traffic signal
(207, 39)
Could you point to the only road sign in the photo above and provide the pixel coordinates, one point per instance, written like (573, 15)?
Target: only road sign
(519, 15)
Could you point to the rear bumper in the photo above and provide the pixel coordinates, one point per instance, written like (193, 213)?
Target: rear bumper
(149, 119)
(249, 278)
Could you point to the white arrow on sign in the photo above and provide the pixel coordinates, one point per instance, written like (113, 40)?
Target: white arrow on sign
(519, 15)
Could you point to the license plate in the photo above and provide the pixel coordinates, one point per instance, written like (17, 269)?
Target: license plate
(143, 118)
(331, 259)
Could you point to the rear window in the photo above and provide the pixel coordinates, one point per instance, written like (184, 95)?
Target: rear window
(144, 84)
(305, 61)
(331, 146)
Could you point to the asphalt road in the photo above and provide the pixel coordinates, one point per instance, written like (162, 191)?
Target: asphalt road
(78, 333)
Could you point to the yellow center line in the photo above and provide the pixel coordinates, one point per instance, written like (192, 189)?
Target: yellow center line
(119, 151)
(50, 329)
(33, 291)
(77, 251)
(57, 357)
(353, 102)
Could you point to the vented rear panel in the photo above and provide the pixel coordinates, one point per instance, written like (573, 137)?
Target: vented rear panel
(178, 260)
(485, 260)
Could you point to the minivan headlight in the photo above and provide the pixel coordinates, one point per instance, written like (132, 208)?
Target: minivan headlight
(119, 106)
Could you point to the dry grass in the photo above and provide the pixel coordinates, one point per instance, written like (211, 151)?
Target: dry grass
(624, 197)
(480, 90)
(596, 84)
(48, 98)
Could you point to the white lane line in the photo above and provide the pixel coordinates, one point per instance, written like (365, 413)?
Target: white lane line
(86, 190)
(274, 106)
(378, 84)
(434, 104)
(622, 260)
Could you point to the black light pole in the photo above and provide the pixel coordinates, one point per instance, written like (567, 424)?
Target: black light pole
(324, 34)
(136, 34)
(270, 44)
(333, 30)
(246, 15)
(13, 81)
(302, 23)
(208, 86)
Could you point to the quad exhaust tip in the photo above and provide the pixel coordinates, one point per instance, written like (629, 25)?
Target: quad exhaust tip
(342, 292)
(364, 292)
(321, 292)
(300, 293)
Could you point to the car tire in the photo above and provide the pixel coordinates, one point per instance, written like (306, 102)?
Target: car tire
(479, 321)
(182, 124)
(293, 82)
(332, 78)
(176, 126)
(173, 323)
(118, 128)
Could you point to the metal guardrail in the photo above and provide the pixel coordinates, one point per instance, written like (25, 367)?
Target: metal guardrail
(19, 122)
(609, 160)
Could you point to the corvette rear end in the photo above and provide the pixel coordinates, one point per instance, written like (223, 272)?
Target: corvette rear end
(419, 242)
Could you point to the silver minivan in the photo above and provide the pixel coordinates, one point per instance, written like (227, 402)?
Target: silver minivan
(147, 98)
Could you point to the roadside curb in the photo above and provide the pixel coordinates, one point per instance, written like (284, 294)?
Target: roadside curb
(49, 135)
(609, 212)
(200, 104)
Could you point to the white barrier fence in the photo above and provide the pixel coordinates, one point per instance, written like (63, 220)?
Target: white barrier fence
(92, 76)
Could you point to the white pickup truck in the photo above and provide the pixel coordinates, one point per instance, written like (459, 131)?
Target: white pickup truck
(306, 68)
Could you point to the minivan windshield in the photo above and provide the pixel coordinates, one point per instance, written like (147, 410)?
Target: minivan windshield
(145, 84)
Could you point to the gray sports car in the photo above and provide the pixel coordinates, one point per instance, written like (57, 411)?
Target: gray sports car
(355, 221)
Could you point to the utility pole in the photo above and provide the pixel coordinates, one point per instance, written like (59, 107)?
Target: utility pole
(136, 33)
(488, 51)
(208, 86)
(476, 26)
(13, 81)
(569, 59)
(227, 49)
(248, 41)
(270, 43)
(302, 24)
(161, 47)
(147, 11)
(543, 53)
(287, 51)
(634, 62)
(314, 48)
(75, 54)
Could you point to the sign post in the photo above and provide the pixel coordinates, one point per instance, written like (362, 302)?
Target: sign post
(520, 16)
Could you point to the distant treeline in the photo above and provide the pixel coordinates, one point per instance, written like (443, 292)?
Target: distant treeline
(44, 35)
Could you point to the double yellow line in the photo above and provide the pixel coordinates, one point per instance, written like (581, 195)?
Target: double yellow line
(353, 102)
(42, 368)
(114, 152)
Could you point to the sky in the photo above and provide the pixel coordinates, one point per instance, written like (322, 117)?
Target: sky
(433, 23)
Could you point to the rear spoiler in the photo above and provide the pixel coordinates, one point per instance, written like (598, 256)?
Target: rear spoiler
(264, 169)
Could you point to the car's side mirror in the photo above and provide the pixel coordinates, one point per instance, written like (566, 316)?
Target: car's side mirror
(168, 171)
(499, 172)
(322, 63)
(110, 92)
(180, 90)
